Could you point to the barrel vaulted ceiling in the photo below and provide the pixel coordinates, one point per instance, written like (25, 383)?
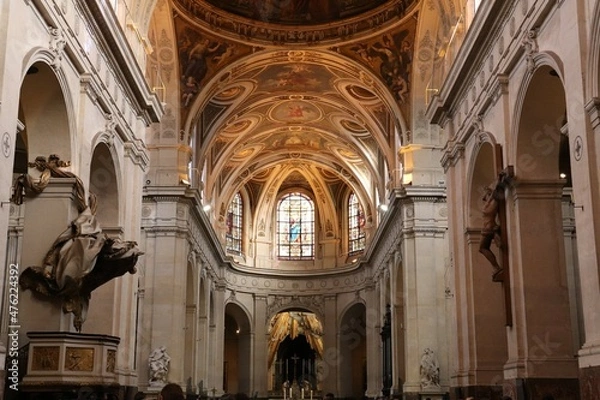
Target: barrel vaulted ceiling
(310, 94)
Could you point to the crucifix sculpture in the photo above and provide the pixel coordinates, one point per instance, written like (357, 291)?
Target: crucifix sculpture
(295, 358)
(494, 229)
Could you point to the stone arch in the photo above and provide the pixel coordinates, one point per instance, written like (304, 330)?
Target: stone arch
(482, 173)
(540, 114)
(238, 349)
(353, 351)
(104, 184)
(295, 347)
(538, 260)
(481, 329)
(45, 110)
(45, 127)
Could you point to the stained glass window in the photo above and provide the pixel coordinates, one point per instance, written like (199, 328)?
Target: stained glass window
(356, 224)
(234, 225)
(295, 227)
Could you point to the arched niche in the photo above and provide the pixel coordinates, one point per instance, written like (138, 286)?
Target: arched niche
(238, 342)
(353, 345)
(105, 186)
(541, 119)
(538, 261)
(44, 111)
(483, 174)
(481, 329)
(295, 349)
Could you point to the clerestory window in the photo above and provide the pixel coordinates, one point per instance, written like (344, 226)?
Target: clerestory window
(295, 227)
(234, 225)
(356, 223)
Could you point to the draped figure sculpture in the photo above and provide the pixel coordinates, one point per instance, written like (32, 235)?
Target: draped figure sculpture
(82, 257)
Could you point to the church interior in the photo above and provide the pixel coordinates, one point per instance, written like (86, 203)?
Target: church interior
(370, 199)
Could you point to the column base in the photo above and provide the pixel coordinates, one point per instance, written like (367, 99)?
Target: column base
(423, 395)
(537, 388)
(410, 396)
(477, 392)
(589, 383)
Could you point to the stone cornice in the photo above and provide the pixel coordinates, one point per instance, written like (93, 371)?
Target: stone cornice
(593, 110)
(476, 45)
(101, 18)
(453, 152)
(135, 150)
(499, 39)
(424, 194)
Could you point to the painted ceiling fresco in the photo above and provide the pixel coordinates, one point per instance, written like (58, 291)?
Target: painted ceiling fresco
(290, 22)
(272, 117)
(297, 12)
(200, 56)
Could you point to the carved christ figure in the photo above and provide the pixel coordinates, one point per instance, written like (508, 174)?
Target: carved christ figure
(490, 231)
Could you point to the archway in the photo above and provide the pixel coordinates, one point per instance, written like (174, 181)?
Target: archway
(482, 328)
(295, 348)
(538, 258)
(104, 185)
(237, 361)
(44, 128)
(44, 113)
(353, 349)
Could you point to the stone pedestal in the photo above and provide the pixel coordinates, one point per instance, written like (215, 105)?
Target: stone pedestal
(431, 394)
(70, 364)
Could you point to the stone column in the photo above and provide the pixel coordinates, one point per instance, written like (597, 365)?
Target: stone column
(588, 244)
(374, 319)
(540, 348)
(329, 365)
(261, 340)
(218, 339)
(398, 338)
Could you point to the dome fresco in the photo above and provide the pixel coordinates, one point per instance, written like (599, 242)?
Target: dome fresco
(297, 12)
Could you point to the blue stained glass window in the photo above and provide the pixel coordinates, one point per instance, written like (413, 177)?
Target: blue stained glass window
(295, 227)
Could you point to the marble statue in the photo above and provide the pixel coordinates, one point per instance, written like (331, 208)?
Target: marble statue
(82, 257)
(430, 370)
(158, 365)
